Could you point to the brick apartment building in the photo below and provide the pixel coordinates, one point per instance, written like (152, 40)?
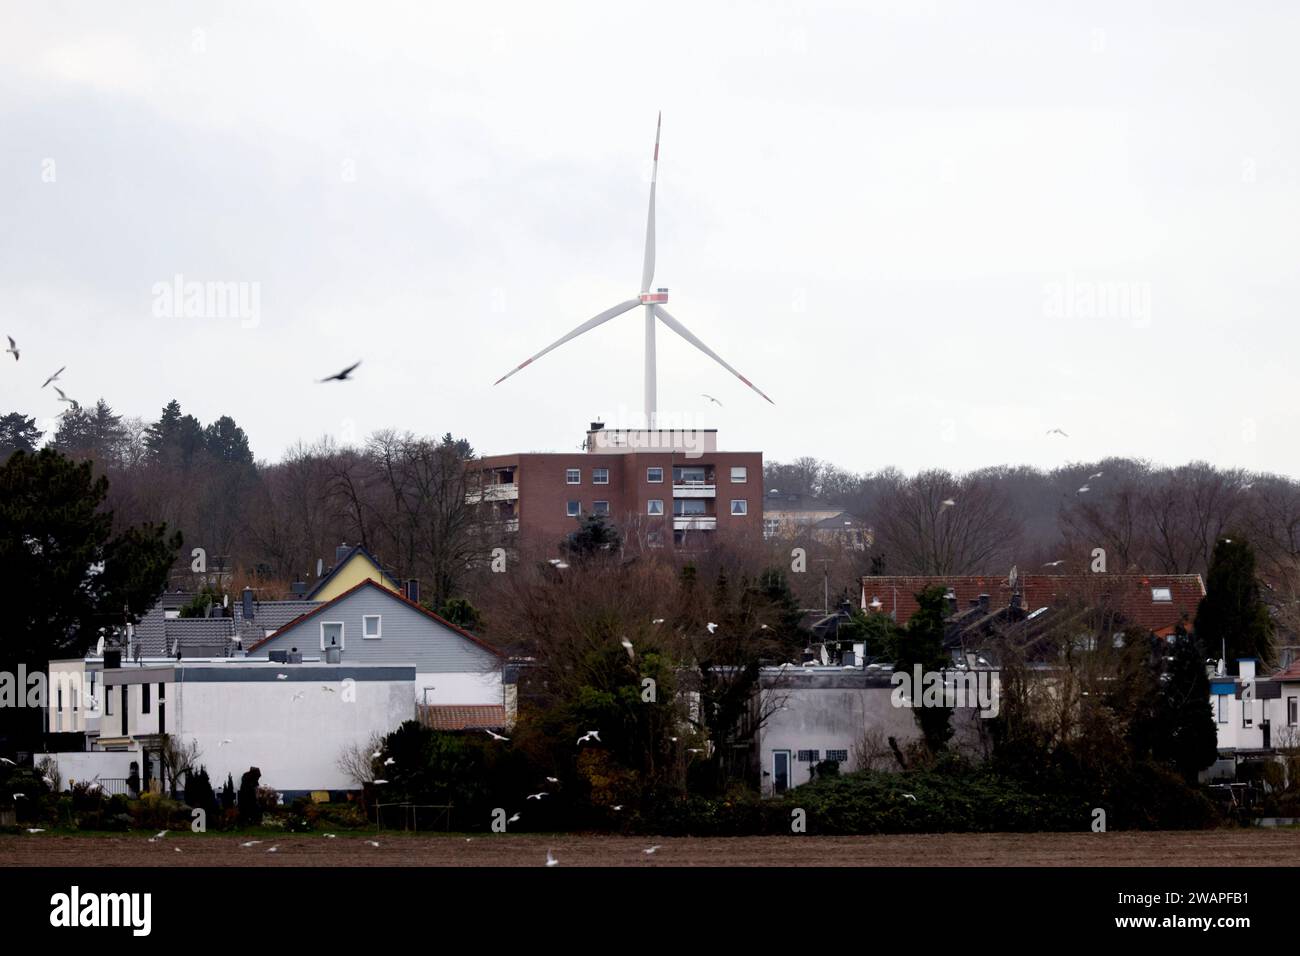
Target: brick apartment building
(661, 488)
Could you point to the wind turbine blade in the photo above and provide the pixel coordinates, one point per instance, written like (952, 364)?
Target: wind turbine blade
(686, 333)
(648, 269)
(585, 327)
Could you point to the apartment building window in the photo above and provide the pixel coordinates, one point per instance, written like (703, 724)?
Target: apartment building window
(1247, 720)
(841, 756)
(739, 506)
(573, 509)
(600, 507)
(1291, 711)
(654, 475)
(371, 626)
(600, 476)
(808, 756)
(573, 476)
(654, 539)
(1223, 708)
(655, 506)
(144, 699)
(690, 506)
(739, 474)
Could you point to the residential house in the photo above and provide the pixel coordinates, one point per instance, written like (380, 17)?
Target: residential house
(373, 624)
(352, 565)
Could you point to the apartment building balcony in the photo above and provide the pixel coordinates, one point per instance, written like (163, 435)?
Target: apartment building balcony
(695, 522)
(501, 492)
(695, 488)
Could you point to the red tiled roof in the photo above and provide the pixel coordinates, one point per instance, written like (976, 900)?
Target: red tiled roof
(1291, 673)
(463, 716)
(1130, 595)
(396, 596)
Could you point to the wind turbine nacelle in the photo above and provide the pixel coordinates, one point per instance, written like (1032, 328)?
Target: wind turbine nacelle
(657, 296)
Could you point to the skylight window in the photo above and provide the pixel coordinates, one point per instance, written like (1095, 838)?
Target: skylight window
(1161, 594)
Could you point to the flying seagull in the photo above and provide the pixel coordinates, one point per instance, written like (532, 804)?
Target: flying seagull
(328, 689)
(551, 860)
(298, 696)
(650, 850)
(379, 783)
(514, 819)
(1097, 475)
(658, 620)
(538, 796)
(35, 830)
(63, 397)
(342, 376)
(8, 761)
(552, 779)
(910, 796)
(54, 377)
(627, 646)
(946, 503)
(389, 762)
(712, 399)
(653, 300)
(589, 735)
(281, 676)
(711, 626)
(372, 843)
(1053, 564)
(494, 735)
(1057, 431)
(251, 843)
(1084, 490)
(330, 836)
(13, 347)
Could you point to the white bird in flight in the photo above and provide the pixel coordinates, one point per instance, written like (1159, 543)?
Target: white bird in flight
(281, 676)
(372, 843)
(35, 830)
(514, 819)
(552, 779)
(379, 783)
(63, 397)
(54, 377)
(298, 696)
(1083, 490)
(538, 796)
(589, 735)
(8, 761)
(1097, 475)
(650, 850)
(224, 742)
(712, 399)
(627, 646)
(389, 762)
(1057, 431)
(711, 626)
(550, 859)
(251, 843)
(494, 735)
(1053, 564)
(13, 347)
(946, 503)
(910, 796)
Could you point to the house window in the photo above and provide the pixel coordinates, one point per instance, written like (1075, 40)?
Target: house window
(108, 702)
(59, 696)
(655, 506)
(1291, 711)
(690, 506)
(600, 476)
(654, 475)
(331, 634)
(1223, 708)
(370, 626)
(573, 509)
(1163, 595)
(739, 506)
(573, 476)
(842, 756)
(808, 756)
(739, 474)
(144, 698)
(1247, 720)
(600, 507)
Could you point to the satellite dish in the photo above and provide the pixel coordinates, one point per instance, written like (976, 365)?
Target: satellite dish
(225, 600)
(99, 647)
(320, 566)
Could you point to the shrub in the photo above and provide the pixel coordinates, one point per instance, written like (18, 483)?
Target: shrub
(250, 809)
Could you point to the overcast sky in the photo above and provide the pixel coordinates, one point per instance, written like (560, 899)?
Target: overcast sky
(931, 232)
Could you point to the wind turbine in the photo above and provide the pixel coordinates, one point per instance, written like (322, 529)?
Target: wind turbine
(654, 309)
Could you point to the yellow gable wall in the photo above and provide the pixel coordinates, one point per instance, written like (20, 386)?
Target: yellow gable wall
(357, 569)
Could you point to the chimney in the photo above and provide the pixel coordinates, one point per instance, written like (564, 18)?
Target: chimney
(413, 590)
(596, 426)
(951, 599)
(984, 602)
(340, 553)
(299, 588)
(112, 660)
(248, 604)
(1246, 668)
(1015, 600)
